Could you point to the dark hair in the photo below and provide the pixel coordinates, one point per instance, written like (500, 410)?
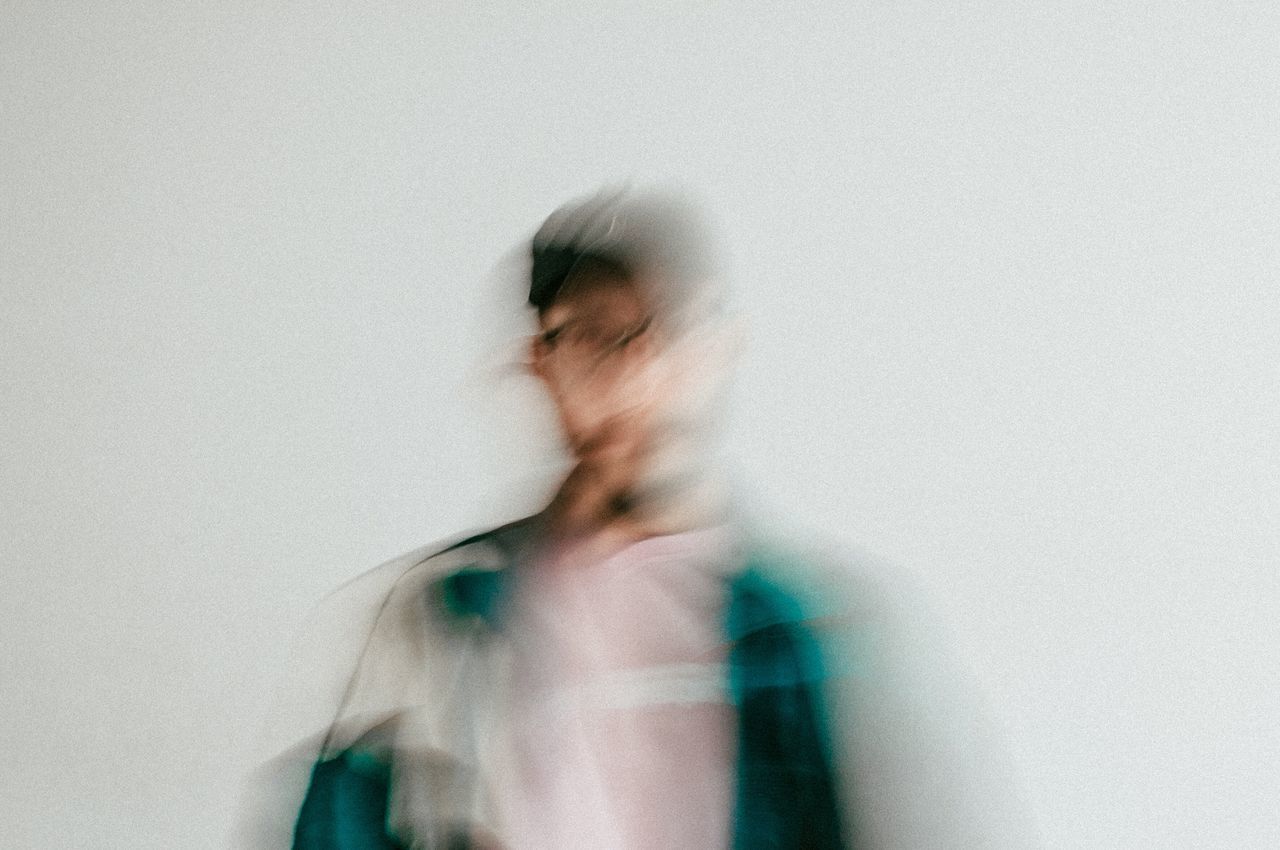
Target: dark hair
(553, 265)
(625, 234)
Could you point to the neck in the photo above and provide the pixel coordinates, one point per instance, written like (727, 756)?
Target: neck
(585, 507)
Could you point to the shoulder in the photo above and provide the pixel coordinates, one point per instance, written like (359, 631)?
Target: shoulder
(401, 581)
(352, 651)
(824, 579)
(381, 612)
(920, 761)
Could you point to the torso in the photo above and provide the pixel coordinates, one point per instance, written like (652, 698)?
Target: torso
(622, 735)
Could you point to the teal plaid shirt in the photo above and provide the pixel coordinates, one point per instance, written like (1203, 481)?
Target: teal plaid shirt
(785, 785)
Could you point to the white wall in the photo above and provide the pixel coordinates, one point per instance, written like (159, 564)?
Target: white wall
(1011, 272)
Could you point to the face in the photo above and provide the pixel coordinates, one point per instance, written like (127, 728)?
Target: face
(630, 394)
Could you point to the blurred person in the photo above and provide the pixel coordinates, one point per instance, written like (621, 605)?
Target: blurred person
(640, 664)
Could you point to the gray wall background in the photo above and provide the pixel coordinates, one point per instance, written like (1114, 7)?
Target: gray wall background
(1010, 270)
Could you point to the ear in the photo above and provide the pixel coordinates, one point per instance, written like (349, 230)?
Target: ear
(536, 357)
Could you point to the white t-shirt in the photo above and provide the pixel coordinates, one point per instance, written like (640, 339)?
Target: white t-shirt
(624, 737)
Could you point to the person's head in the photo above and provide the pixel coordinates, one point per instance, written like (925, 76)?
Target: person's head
(633, 345)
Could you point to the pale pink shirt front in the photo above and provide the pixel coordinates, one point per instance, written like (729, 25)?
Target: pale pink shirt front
(624, 736)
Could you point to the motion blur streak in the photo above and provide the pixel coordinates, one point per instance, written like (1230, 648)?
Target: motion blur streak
(646, 662)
